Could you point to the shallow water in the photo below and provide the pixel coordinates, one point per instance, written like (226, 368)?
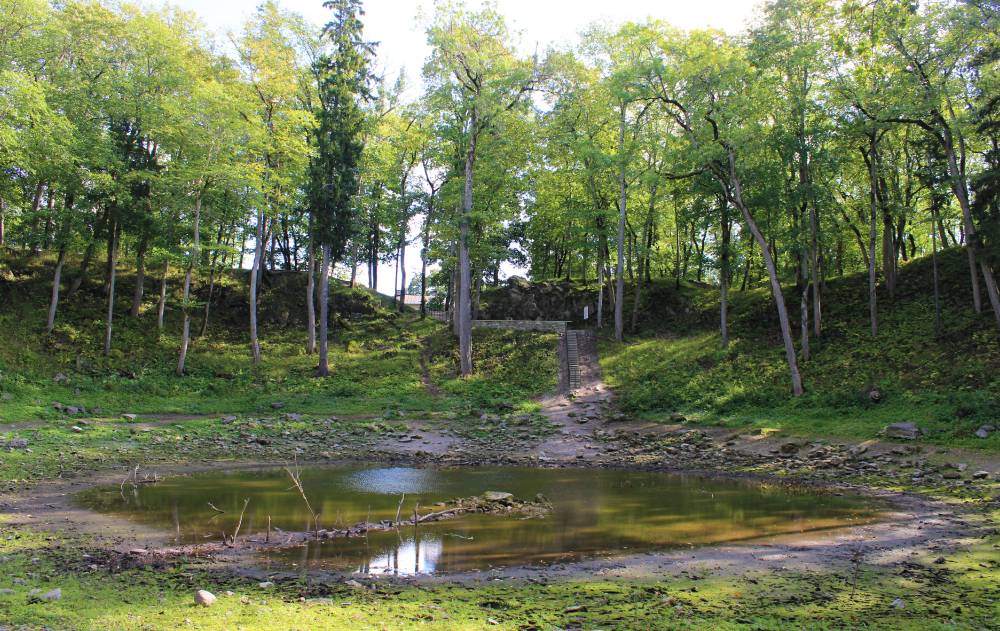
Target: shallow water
(596, 513)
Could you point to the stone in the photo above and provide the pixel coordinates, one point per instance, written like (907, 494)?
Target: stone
(497, 496)
(677, 417)
(984, 431)
(952, 475)
(277, 405)
(353, 583)
(789, 448)
(51, 595)
(898, 603)
(17, 443)
(6, 591)
(204, 598)
(980, 475)
(129, 417)
(857, 450)
(226, 420)
(293, 416)
(265, 585)
(903, 431)
(77, 429)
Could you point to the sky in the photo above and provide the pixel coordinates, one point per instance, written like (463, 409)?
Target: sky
(398, 27)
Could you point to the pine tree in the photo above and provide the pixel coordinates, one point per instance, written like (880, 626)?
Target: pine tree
(344, 80)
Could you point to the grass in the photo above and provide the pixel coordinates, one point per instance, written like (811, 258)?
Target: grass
(960, 594)
(379, 359)
(946, 382)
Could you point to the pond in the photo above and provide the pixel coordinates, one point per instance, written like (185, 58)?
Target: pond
(595, 513)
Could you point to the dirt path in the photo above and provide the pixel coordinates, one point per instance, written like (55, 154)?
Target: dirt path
(577, 414)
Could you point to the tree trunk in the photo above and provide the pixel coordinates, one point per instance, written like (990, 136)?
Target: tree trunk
(872, 159)
(959, 188)
(804, 308)
(772, 272)
(622, 193)
(600, 281)
(258, 259)
(140, 276)
(112, 265)
(465, 271)
(211, 283)
(161, 305)
(54, 301)
(817, 294)
(194, 257)
(724, 274)
(643, 259)
(323, 369)
(423, 258)
(311, 299)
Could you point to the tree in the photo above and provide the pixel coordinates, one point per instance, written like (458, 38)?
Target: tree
(333, 181)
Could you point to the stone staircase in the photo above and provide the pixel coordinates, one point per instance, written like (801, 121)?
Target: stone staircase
(573, 360)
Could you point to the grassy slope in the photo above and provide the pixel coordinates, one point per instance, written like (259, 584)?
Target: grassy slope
(948, 384)
(379, 358)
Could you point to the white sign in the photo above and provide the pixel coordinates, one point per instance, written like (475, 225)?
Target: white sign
(586, 313)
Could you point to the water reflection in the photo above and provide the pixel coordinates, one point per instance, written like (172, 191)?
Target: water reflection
(595, 512)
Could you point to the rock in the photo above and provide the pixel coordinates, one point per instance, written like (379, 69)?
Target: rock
(60, 378)
(277, 405)
(497, 496)
(77, 429)
(51, 595)
(59, 407)
(875, 395)
(980, 475)
(575, 609)
(293, 416)
(952, 475)
(857, 450)
(789, 448)
(129, 417)
(6, 592)
(265, 585)
(898, 603)
(353, 583)
(677, 417)
(17, 443)
(226, 420)
(204, 598)
(904, 431)
(984, 431)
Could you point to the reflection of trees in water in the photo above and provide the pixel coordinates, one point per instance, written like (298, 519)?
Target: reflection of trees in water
(594, 511)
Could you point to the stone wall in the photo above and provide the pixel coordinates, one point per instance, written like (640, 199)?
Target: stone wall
(553, 326)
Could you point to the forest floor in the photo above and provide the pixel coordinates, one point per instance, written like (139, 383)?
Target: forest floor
(934, 564)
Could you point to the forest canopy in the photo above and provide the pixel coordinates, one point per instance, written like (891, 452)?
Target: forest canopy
(829, 137)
